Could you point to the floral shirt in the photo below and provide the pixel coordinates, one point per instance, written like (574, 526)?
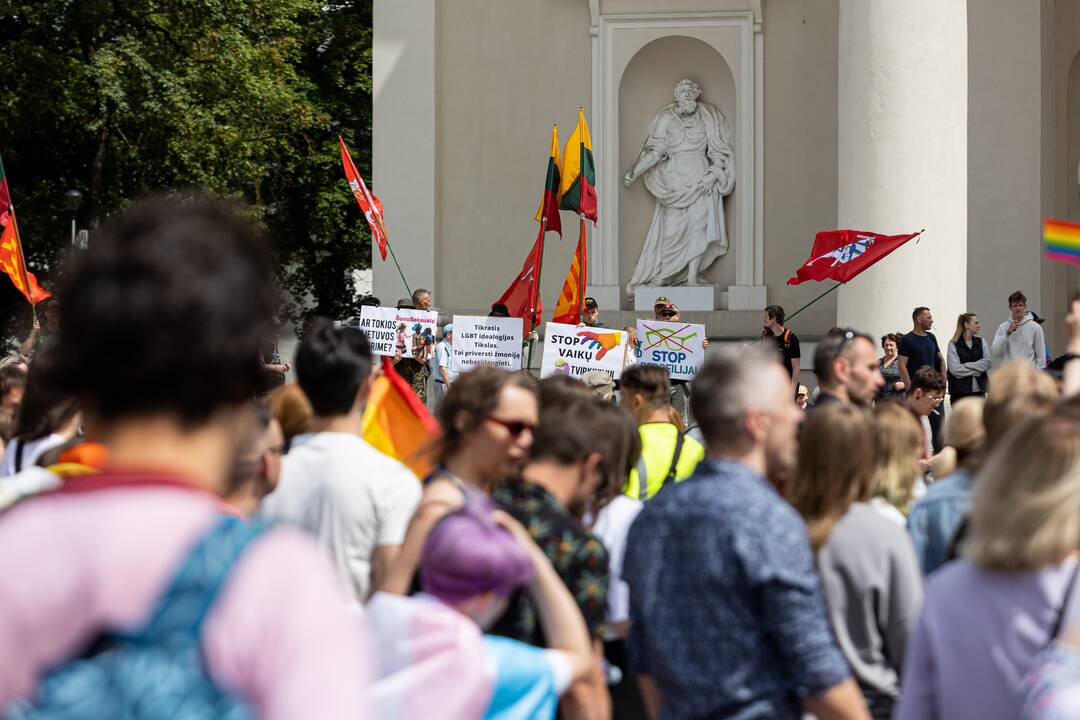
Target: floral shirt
(577, 555)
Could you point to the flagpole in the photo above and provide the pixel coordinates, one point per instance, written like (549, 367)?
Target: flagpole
(581, 268)
(536, 285)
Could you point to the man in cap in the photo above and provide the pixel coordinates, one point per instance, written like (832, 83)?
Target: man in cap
(668, 311)
(590, 315)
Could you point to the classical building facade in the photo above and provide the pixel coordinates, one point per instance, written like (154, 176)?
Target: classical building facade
(962, 118)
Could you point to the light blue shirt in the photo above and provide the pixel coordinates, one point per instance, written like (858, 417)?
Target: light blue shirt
(442, 360)
(937, 515)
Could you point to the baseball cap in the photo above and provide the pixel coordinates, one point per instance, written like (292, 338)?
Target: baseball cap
(591, 303)
(448, 328)
(662, 300)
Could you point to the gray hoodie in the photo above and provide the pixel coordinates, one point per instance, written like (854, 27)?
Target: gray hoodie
(1027, 343)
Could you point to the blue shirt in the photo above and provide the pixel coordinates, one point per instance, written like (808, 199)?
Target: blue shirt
(525, 685)
(920, 351)
(725, 606)
(937, 515)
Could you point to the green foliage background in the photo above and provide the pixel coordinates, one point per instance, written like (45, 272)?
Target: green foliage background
(117, 98)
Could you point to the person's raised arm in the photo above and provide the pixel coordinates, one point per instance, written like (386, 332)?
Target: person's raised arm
(27, 345)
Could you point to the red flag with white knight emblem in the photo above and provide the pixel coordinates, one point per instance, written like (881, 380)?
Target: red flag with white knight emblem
(369, 204)
(842, 254)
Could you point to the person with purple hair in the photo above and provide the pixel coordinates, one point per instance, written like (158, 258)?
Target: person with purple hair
(435, 661)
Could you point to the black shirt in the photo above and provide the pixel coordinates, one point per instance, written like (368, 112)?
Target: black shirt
(787, 344)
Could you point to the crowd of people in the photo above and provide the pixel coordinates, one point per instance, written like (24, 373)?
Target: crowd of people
(184, 535)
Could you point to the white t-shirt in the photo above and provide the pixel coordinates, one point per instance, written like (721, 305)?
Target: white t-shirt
(612, 527)
(347, 494)
(30, 453)
(442, 360)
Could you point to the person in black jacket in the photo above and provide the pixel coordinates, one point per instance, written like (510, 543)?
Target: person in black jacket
(968, 360)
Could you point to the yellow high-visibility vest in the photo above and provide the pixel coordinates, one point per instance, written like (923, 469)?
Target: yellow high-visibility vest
(659, 462)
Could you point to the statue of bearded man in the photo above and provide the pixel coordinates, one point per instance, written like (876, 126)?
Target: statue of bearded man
(689, 167)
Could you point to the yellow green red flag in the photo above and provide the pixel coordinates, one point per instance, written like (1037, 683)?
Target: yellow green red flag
(549, 205)
(577, 190)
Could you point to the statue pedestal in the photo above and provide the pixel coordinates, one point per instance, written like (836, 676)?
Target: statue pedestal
(699, 297)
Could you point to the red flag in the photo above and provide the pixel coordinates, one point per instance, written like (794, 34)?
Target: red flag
(568, 309)
(369, 204)
(843, 254)
(522, 298)
(12, 263)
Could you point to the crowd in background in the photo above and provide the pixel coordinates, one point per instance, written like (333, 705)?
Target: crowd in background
(183, 534)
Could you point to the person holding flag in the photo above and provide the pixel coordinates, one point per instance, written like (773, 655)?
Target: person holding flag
(13, 262)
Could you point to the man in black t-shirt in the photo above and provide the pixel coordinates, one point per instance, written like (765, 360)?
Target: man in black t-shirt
(919, 348)
(787, 343)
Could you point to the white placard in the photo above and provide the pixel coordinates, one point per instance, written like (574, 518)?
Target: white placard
(577, 349)
(678, 346)
(482, 340)
(390, 330)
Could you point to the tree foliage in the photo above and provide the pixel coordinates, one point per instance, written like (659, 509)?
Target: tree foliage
(240, 97)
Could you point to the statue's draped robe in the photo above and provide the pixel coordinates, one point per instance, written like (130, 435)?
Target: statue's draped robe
(695, 172)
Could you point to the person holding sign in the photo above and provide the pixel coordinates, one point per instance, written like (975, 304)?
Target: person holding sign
(667, 454)
(668, 311)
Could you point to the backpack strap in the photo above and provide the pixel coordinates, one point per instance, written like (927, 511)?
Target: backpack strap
(1059, 616)
(643, 478)
(675, 459)
(203, 572)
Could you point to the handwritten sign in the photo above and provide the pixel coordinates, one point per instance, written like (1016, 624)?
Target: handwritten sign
(412, 332)
(677, 346)
(486, 341)
(575, 350)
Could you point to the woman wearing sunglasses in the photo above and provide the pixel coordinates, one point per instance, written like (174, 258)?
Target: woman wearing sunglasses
(487, 419)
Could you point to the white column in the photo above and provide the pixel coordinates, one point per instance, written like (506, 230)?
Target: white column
(403, 143)
(903, 94)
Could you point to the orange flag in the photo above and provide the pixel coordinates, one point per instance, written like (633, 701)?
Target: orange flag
(11, 260)
(568, 309)
(397, 424)
(369, 204)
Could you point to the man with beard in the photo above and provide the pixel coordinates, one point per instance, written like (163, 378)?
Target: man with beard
(689, 167)
(721, 572)
(846, 366)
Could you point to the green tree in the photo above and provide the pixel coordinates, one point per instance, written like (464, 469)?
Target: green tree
(240, 97)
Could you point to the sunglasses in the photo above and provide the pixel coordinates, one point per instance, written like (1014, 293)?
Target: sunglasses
(514, 427)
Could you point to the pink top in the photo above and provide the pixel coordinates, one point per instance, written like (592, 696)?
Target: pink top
(279, 634)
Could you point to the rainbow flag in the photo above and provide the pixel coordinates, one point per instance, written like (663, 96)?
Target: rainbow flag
(397, 424)
(1061, 241)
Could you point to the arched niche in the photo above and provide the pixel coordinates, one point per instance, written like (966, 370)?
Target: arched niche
(645, 87)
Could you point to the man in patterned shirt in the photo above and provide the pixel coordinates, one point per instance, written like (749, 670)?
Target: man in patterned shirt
(727, 619)
(564, 471)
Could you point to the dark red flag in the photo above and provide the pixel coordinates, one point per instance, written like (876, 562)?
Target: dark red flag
(842, 254)
(522, 298)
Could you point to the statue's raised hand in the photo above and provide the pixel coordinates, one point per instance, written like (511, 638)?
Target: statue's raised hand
(628, 178)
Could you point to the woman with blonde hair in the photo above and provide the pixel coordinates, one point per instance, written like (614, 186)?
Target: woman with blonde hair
(897, 472)
(968, 360)
(989, 614)
(869, 575)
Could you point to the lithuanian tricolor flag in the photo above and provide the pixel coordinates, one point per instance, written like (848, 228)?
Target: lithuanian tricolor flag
(549, 205)
(577, 191)
(1062, 241)
(568, 309)
(397, 424)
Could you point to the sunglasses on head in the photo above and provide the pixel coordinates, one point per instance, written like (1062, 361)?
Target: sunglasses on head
(514, 427)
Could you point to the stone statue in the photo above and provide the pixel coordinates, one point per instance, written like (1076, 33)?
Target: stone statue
(689, 167)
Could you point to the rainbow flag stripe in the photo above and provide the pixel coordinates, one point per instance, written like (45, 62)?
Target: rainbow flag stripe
(1061, 241)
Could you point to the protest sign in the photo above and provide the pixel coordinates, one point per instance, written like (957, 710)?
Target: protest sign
(577, 349)
(677, 346)
(486, 341)
(390, 330)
